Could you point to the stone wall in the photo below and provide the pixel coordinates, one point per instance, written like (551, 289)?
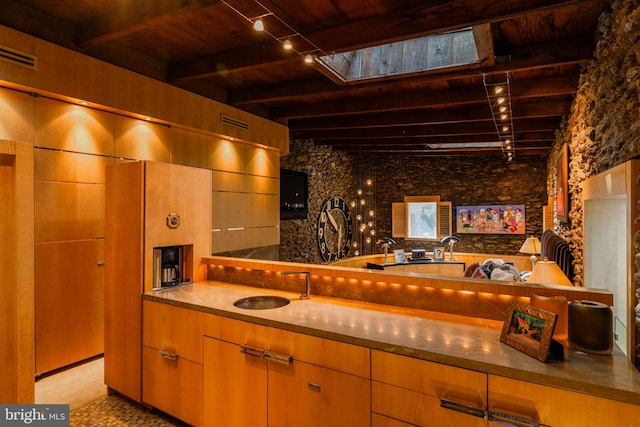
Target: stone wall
(329, 174)
(460, 180)
(603, 128)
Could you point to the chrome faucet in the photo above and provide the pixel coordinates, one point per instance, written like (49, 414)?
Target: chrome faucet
(307, 290)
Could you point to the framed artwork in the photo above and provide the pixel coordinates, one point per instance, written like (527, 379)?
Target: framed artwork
(398, 255)
(438, 253)
(529, 329)
(491, 219)
(562, 185)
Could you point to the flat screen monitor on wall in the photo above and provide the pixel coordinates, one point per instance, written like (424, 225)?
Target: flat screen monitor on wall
(293, 195)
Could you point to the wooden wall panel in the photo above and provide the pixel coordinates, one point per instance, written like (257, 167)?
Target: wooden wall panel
(17, 266)
(70, 324)
(262, 162)
(229, 210)
(17, 116)
(263, 185)
(230, 182)
(140, 140)
(69, 211)
(189, 148)
(71, 127)
(227, 156)
(70, 167)
(263, 210)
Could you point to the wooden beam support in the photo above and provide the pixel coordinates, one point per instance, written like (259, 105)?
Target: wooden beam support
(132, 16)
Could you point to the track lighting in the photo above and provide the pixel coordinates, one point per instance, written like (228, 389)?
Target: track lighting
(499, 97)
(308, 58)
(287, 44)
(258, 25)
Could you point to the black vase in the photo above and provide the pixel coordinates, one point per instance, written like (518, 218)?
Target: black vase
(591, 327)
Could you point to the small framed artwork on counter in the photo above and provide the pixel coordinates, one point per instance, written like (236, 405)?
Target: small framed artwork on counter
(529, 329)
(438, 253)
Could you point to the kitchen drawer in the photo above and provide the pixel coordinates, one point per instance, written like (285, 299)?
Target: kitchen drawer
(555, 407)
(176, 330)
(173, 386)
(422, 409)
(336, 355)
(435, 379)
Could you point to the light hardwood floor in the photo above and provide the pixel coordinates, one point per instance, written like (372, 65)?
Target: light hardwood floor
(76, 386)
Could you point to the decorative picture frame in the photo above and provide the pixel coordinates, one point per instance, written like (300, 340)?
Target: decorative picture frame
(491, 219)
(398, 255)
(438, 253)
(562, 185)
(529, 329)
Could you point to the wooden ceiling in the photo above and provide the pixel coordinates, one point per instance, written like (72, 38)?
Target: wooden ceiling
(208, 47)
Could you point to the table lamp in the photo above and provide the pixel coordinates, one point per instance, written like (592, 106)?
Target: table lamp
(531, 246)
(548, 273)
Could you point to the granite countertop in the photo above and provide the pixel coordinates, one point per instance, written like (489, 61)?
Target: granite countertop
(382, 265)
(465, 342)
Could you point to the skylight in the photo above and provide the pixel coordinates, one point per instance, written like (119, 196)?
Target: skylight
(413, 56)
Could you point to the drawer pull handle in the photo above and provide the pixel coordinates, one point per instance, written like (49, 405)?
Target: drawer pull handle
(314, 387)
(278, 358)
(250, 351)
(513, 421)
(461, 407)
(173, 357)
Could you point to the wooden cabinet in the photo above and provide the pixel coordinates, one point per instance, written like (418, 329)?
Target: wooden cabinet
(286, 378)
(172, 360)
(424, 393)
(513, 401)
(139, 198)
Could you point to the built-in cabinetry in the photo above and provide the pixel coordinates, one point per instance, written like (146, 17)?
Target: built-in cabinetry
(441, 268)
(143, 200)
(406, 391)
(286, 378)
(172, 360)
(514, 402)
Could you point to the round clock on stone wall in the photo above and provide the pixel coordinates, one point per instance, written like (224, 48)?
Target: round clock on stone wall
(335, 229)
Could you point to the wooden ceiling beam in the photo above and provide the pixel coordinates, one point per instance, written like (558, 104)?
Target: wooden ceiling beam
(409, 23)
(415, 99)
(552, 108)
(132, 16)
(523, 58)
(519, 137)
(429, 130)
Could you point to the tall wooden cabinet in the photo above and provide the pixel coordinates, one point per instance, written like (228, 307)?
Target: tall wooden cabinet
(140, 196)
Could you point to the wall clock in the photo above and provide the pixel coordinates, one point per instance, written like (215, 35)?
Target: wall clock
(335, 229)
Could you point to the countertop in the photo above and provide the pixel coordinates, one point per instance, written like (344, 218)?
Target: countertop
(382, 265)
(461, 341)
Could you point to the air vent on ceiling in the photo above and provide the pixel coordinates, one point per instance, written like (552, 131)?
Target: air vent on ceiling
(227, 120)
(17, 57)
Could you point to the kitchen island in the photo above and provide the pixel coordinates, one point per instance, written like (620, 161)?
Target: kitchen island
(464, 373)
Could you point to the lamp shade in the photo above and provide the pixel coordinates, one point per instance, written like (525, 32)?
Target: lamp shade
(531, 246)
(548, 273)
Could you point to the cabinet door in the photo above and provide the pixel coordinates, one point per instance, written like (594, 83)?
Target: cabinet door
(173, 386)
(235, 385)
(509, 399)
(305, 395)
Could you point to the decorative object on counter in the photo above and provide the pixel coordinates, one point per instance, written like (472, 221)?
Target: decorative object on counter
(491, 219)
(398, 255)
(532, 247)
(335, 229)
(529, 329)
(419, 254)
(450, 240)
(548, 273)
(385, 242)
(438, 253)
(591, 327)
(558, 305)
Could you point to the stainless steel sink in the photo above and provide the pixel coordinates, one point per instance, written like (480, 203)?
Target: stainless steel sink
(261, 302)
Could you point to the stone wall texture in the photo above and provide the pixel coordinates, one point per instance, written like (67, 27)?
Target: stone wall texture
(603, 128)
(460, 180)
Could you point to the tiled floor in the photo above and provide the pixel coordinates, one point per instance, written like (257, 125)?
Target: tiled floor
(82, 388)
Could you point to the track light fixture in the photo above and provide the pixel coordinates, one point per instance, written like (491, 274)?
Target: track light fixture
(499, 97)
(258, 24)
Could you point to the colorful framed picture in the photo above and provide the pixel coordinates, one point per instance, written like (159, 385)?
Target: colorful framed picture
(491, 219)
(529, 329)
(562, 185)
